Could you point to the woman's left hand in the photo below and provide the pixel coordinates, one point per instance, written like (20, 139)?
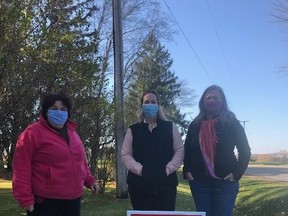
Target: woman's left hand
(95, 188)
(230, 177)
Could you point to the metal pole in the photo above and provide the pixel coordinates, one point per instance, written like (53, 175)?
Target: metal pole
(244, 124)
(121, 186)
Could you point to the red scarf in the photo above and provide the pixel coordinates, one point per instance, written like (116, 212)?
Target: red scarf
(208, 143)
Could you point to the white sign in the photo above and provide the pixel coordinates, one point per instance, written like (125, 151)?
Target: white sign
(164, 213)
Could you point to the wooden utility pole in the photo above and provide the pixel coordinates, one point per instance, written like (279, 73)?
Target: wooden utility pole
(121, 186)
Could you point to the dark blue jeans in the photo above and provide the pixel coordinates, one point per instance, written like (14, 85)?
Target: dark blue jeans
(216, 197)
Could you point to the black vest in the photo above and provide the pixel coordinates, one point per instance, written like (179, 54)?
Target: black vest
(153, 150)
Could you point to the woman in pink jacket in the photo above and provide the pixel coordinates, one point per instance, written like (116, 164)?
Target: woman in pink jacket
(49, 165)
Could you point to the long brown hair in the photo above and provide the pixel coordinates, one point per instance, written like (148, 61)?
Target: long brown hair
(226, 116)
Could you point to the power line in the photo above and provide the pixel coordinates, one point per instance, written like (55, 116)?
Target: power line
(187, 40)
(220, 44)
(223, 52)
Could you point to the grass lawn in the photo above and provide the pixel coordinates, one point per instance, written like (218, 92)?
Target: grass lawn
(256, 198)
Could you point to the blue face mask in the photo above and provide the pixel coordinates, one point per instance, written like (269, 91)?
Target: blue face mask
(57, 117)
(150, 110)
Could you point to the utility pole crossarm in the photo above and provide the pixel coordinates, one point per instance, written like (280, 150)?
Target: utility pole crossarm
(244, 123)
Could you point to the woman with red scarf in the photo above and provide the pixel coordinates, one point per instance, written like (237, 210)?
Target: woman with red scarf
(210, 164)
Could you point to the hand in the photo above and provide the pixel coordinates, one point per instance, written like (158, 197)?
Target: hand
(29, 208)
(95, 188)
(189, 176)
(230, 177)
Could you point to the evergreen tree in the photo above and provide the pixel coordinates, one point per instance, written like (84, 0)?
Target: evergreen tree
(50, 46)
(152, 72)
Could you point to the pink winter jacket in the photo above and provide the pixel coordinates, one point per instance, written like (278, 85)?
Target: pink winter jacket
(44, 164)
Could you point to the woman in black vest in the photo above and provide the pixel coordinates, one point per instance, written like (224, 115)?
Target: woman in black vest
(210, 165)
(152, 151)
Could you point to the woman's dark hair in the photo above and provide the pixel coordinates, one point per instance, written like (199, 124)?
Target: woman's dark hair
(50, 99)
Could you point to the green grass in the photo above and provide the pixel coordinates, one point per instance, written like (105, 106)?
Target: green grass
(259, 197)
(256, 197)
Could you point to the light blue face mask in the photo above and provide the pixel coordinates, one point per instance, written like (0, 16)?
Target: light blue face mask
(57, 117)
(150, 110)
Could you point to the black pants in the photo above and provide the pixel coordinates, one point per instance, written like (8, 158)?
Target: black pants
(163, 200)
(57, 207)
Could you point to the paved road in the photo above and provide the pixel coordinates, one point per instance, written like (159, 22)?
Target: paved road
(269, 172)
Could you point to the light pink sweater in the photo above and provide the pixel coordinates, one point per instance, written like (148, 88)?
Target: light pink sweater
(136, 168)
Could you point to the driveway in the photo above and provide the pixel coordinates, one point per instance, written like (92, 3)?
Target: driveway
(269, 172)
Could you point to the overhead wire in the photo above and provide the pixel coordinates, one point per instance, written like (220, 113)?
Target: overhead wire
(190, 45)
(220, 44)
(223, 53)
